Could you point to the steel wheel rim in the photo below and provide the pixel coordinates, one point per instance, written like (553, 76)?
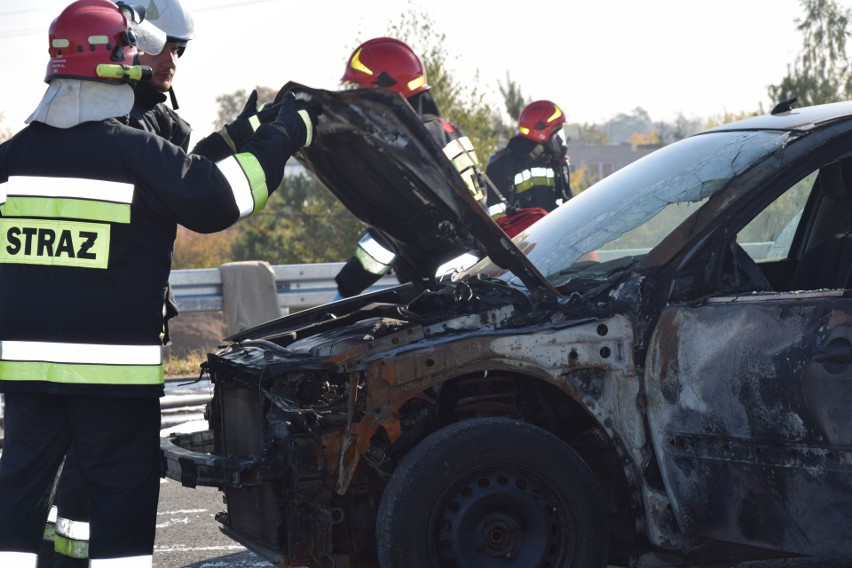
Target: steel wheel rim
(500, 516)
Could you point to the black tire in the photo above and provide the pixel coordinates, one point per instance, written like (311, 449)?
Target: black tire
(492, 492)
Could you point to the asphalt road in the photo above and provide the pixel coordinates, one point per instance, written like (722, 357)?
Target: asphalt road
(188, 536)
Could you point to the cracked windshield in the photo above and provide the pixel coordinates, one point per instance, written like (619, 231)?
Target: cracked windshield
(636, 207)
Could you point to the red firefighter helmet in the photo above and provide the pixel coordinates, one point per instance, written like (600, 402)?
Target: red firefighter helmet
(85, 34)
(389, 63)
(539, 119)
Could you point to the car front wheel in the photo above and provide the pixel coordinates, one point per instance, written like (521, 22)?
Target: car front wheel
(492, 492)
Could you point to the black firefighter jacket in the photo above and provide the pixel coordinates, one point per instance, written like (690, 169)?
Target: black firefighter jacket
(88, 217)
(527, 176)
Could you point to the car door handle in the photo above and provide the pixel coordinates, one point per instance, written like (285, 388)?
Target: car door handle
(834, 354)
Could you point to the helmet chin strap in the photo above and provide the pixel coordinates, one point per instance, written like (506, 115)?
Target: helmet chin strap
(173, 98)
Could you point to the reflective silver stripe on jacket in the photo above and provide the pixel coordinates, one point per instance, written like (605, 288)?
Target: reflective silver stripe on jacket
(126, 562)
(76, 188)
(497, 210)
(247, 180)
(461, 153)
(18, 559)
(239, 183)
(533, 177)
(375, 258)
(91, 353)
(77, 530)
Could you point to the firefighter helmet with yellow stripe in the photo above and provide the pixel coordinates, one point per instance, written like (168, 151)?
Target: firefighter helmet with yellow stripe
(389, 63)
(539, 120)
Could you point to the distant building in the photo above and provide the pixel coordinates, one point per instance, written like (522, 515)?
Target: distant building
(600, 161)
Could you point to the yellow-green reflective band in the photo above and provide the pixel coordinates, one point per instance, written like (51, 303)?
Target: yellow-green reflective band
(67, 208)
(65, 373)
(71, 548)
(469, 178)
(309, 126)
(528, 179)
(557, 112)
(256, 178)
(370, 264)
(461, 146)
(463, 162)
(247, 181)
(49, 532)
(414, 84)
(54, 243)
(372, 247)
(497, 211)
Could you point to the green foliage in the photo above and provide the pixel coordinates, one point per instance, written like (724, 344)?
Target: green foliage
(301, 223)
(513, 98)
(196, 250)
(591, 134)
(820, 73)
(622, 126)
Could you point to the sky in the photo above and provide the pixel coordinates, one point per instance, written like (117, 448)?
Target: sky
(594, 58)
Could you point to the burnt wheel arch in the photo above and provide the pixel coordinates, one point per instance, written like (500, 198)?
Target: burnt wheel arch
(492, 488)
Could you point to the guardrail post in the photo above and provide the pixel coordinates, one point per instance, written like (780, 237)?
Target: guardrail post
(249, 294)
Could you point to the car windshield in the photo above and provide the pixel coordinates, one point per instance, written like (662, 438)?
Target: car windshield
(611, 225)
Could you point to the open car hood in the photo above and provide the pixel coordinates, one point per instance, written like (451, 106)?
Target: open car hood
(373, 152)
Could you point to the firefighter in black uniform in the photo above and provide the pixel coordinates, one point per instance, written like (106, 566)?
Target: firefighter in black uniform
(68, 523)
(88, 214)
(391, 64)
(532, 171)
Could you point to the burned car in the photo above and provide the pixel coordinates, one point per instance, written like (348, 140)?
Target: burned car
(656, 373)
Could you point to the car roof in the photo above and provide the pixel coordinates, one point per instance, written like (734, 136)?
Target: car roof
(805, 118)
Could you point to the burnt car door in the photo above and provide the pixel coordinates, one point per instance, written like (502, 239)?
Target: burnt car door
(749, 392)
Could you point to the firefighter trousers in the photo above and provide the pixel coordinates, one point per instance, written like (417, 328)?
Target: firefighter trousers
(70, 545)
(116, 444)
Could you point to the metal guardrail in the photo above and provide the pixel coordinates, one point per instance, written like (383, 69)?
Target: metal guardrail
(298, 286)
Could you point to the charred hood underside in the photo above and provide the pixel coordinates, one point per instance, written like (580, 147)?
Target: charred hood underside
(373, 152)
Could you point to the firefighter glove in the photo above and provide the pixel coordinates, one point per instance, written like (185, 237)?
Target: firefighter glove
(239, 132)
(297, 123)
